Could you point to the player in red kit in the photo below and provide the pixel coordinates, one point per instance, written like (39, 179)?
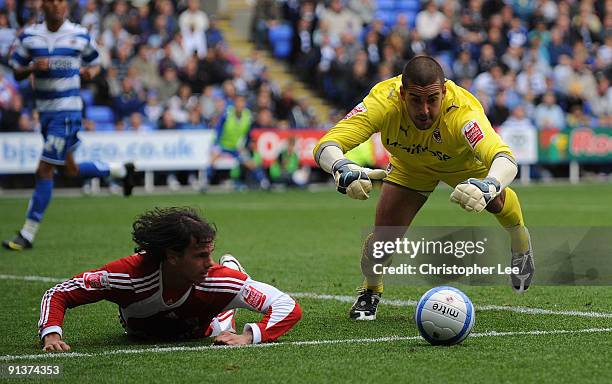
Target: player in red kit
(172, 289)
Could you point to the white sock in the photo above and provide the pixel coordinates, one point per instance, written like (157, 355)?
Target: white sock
(30, 227)
(117, 170)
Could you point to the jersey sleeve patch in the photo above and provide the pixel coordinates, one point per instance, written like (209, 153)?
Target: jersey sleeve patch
(359, 108)
(96, 280)
(473, 133)
(253, 297)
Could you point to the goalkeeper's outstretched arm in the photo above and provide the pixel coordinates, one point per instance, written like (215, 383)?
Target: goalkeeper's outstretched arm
(351, 179)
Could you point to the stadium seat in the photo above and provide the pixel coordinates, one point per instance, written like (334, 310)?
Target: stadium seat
(104, 127)
(408, 6)
(385, 5)
(100, 114)
(87, 96)
(281, 39)
(388, 17)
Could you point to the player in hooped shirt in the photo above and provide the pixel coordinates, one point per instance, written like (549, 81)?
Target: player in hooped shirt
(172, 289)
(55, 55)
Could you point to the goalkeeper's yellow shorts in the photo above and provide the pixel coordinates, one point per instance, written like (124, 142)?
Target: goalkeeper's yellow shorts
(425, 180)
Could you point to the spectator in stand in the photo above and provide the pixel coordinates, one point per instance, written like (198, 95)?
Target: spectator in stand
(302, 115)
(207, 103)
(374, 48)
(489, 82)
(129, 101)
(195, 120)
(179, 52)
(115, 36)
(213, 70)
(146, 66)
(577, 118)
(548, 114)
(165, 8)
(159, 35)
(429, 21)
(137, 124)
(169, 85)
(340, 19)
(364, 9)
(122, 60)
(266, 13)
(531, 80)
(601, 104)
(264, 119)
(153, 110)
(513, 59)
(9, 120)
(7, 36)
(253, 68)
(189, 75)
(487, 58)
(498, 112)
(8, 91)
(180, 104)
(518, 119)
(285, 103)
(401, 27)
(193, 23)
(557, 46)
(464, 67)
(118, 13)
(219, 111)
(214, 36)
(167, 121)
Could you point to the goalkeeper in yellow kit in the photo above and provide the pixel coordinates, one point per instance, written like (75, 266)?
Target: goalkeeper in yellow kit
(434, 131)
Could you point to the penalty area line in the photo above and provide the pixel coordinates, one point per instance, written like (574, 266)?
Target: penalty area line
(396, 303)
(71, 355)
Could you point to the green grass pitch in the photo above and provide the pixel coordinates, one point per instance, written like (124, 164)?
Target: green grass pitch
(309, 243)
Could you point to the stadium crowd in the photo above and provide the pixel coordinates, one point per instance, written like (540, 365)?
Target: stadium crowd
(541, 62)
(166, 65)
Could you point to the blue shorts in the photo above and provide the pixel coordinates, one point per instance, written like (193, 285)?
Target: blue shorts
(59, 130)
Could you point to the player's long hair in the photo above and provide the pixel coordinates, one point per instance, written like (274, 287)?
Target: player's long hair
(162, 229)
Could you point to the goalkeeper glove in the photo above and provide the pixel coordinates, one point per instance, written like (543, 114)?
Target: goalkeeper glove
(473, 195)
(353, 180)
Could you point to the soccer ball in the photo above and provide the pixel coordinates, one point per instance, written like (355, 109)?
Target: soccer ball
(444, 316)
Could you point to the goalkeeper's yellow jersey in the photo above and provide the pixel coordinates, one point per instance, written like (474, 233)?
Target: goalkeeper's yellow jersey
(461, 139)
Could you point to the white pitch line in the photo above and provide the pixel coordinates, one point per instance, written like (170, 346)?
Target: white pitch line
(395, 303)
(292, 343)
(32, 278)
(412, 303)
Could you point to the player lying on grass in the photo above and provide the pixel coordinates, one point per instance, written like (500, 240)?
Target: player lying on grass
(434, 131)
(172, 289)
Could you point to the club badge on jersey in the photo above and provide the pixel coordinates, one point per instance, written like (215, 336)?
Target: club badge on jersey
(473, 133)
(253, 297)
(96, 280)
(359, 108)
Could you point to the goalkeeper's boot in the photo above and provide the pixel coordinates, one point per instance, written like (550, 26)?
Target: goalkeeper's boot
(128, 179)
(19, 243)
(365, 306)
(230, 261)
(524, 261)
